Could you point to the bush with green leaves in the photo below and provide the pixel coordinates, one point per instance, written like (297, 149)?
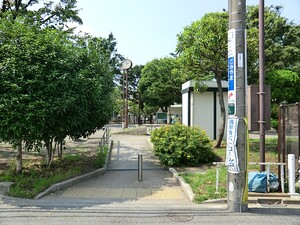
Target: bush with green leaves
(181, 145)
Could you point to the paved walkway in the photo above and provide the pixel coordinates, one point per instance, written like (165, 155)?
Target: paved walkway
(120, 183)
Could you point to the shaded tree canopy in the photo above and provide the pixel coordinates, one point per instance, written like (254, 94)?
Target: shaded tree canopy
(158, 86)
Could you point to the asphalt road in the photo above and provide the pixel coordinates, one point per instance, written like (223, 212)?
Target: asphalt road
(146, 215)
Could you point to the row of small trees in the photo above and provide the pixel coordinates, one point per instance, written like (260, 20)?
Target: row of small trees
(53, 83)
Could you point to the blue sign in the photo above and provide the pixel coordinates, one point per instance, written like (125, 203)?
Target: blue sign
(231, 75)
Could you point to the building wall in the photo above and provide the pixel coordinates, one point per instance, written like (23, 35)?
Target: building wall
(202, 113)
(203, 109)
(185, 101)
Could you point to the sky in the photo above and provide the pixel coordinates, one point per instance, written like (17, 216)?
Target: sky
(147, 29)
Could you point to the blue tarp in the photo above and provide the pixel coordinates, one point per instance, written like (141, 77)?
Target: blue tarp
(257, 182)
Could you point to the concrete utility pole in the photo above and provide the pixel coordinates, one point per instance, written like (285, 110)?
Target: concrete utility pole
(236, 154)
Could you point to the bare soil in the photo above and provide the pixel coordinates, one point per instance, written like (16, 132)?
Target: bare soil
(86, 147)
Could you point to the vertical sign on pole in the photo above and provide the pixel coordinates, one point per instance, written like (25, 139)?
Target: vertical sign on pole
(232, 162)
(231, 72)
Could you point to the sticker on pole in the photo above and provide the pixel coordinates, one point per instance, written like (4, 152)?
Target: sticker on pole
(231, 72)
(232, 163)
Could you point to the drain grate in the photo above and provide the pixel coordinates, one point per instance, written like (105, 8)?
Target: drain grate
(180, 218)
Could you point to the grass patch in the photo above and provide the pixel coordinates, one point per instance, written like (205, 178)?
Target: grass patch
(204, 184)
(37, 177)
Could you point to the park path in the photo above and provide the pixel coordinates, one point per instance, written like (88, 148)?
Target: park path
(120, 183)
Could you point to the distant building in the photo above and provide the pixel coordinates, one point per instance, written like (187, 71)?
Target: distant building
(175, 114)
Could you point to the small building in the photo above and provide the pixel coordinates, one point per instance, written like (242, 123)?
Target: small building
(175, 113)
(203, 109)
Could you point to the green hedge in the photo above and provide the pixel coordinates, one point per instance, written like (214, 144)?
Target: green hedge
(181, 145)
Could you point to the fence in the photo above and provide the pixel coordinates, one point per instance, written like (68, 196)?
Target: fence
(105, 137)
(289, 132)
(281, 165)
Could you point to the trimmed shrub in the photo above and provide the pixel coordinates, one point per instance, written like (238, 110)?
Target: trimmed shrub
(181, 145)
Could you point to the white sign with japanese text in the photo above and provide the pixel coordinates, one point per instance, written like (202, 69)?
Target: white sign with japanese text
(232, 163)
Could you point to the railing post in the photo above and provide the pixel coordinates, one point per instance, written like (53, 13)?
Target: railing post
(217, 178)
(268, 178)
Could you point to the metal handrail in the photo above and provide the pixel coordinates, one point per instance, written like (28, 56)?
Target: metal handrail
(105, 137)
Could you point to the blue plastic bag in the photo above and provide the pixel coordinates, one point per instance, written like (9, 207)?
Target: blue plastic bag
(257, 182)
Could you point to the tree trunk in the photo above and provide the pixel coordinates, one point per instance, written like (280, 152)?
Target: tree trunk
(19, 158)
(60, 148)
(49, 152)
(223, 112)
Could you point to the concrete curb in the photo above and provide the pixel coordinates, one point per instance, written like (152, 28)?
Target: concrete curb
(74, 180)
(185, 186)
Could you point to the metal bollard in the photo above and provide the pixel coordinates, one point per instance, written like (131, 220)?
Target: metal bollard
(140, 167)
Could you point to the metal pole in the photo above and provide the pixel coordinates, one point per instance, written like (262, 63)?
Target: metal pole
(268, 178)
(261, 93)
(217, 178)
(123, 102)
(237, 193)
(140, 167)
(126, 102)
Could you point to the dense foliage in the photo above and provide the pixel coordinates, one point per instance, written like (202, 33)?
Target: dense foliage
(282, 42)
(159, 86)
(279, 80)
(52, 84)
(181, 145)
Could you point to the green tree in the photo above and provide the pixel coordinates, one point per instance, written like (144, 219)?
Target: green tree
(158, 86)
(279, 79)
(48, 14)
(202, 49)
(51, 85)
(282, 42)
